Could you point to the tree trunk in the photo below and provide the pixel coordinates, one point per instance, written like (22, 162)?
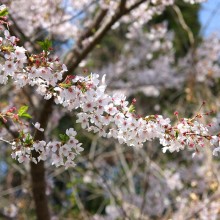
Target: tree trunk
(39, 191)
(38, 170)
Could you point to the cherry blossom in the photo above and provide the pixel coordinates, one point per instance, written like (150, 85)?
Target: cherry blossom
(107, 115)
(37, 126)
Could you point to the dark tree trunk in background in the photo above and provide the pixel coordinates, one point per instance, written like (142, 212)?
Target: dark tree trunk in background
(38, 171)
(39, 191)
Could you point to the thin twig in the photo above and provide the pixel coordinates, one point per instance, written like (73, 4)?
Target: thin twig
(184, 25)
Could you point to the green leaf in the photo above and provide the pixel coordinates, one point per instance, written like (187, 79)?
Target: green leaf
(65, 85)
(26, 115)
(176, 134)
(22, 110)
(3, 12)
(131, 108)
(45, 45)
(28, 139)
(64, 137)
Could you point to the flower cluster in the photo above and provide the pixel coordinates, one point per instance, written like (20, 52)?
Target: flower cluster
(107, 115)
(39, 70)
(61, 152)
(10, 114)
(112, 116)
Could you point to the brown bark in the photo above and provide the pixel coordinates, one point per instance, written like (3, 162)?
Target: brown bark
(39, 191)
(38, 170)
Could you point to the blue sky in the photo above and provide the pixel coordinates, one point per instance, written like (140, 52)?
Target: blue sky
(210, 17)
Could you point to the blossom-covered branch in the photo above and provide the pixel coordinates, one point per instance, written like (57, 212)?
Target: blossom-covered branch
(109, 116)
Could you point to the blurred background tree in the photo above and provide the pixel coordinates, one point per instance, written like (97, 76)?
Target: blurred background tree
(158, 64)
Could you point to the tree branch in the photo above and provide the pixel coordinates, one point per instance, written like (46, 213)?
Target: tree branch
(77, 55)
(94, 25)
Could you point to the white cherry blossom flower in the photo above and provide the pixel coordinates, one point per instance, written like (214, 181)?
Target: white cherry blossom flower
(37, 126)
